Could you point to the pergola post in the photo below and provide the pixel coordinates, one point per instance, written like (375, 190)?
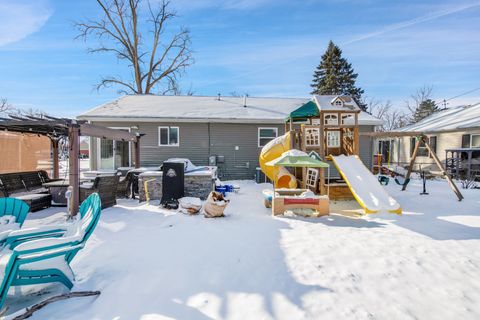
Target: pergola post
(74, 169)
(136, 145)
(55, 158)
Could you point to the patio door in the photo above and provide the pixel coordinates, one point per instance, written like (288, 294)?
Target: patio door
(113, 154)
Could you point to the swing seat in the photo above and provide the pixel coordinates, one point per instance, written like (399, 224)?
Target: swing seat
(405, 182)
(383, 180)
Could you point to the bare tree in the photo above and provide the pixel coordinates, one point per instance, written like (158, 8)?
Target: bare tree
(393, 118)
(4, 106)
(421, 94)
(153, 60)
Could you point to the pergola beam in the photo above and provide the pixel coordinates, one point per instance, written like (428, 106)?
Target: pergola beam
(54, 128)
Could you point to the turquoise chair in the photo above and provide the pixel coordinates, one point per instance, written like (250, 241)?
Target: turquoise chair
(51, 231)
(14, 207)
(16, 210)
(47, 260)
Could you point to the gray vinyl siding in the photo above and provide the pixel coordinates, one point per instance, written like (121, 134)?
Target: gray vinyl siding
(196, 145)
(239, 164)
(200, 140)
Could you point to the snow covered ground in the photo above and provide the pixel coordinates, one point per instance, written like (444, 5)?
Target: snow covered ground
(153, 264)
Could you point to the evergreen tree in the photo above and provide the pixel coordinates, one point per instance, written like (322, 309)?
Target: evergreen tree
(424, 109)
(335, 76)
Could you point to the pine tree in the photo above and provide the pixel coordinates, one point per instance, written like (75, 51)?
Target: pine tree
(335, 76)
(424, 109)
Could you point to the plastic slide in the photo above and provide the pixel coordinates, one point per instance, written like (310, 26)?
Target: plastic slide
(364, 186)
(272, 151)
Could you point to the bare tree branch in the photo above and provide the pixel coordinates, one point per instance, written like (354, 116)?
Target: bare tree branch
(119, 33)
(4, 106)
(392, 117)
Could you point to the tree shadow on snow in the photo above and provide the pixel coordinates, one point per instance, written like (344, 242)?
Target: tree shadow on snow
(175, 265)
(426, 214)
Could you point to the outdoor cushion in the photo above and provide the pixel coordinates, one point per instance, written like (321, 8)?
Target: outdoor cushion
(31, 196)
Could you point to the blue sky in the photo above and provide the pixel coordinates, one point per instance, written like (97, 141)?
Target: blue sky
(259, 47)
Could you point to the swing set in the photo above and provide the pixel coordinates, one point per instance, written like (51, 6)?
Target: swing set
(421, 139)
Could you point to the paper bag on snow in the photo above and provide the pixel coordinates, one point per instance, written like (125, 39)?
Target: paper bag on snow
(215, 205)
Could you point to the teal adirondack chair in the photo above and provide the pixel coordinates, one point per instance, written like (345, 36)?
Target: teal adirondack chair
(17, 210)
(46, 260)
(14, 207)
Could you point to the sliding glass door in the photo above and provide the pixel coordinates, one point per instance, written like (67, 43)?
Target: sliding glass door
(113, 154)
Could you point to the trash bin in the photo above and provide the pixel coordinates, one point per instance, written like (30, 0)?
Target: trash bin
(260, 176)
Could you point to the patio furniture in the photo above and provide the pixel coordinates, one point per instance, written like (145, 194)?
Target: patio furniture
(58, 189)
(105, 186)
(27, 186)
(47, 260)
(12, 215)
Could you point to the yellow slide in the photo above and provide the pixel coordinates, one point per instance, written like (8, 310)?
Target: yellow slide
(272, 151)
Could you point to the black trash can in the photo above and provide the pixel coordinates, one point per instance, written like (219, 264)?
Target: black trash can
(173, 184)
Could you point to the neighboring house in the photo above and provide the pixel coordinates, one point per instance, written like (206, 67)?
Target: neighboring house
(225, 131)
(85, 148)
(456, 129)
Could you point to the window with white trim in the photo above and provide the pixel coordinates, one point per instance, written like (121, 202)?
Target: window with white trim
(316, 121)
(347, 119)
(312, 178)
(265, 135)
(333, 139)
(312, 137)
(168, 136)
(475, 141)
(338, 103)
(331, 119)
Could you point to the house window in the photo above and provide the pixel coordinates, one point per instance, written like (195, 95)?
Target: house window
(338, 103)
(168, 136)
(312, 137)
(333, 139)
(265, 135)
(312, 178)
(331, 119)
(475, 141)
(422, 150)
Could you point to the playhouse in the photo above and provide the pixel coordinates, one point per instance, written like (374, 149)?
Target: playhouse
(329, 132)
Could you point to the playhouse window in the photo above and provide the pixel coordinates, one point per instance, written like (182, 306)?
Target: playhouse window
(316, 122)
(347, 119)
(312, 178)
(331, 119)
(338, 103)
(168, 136)
(265, 135)
(333, 139)
(312, 137)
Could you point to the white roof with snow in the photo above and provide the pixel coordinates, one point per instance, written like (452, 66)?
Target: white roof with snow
(327, 103)
(450, 119)
(200, 109)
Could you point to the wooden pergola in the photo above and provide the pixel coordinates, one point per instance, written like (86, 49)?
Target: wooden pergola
(420, 138)
(55, 129)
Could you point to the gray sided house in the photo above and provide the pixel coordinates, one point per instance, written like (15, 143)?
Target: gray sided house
(228, 131)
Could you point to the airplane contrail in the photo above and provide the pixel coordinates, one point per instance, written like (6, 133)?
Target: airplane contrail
(408, 23)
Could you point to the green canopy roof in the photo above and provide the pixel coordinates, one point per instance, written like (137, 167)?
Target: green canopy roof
(298, 161)
(308, 110)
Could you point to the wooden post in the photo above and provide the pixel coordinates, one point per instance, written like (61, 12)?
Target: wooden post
(137, 152)
(412, 162)
(74, 168)
(322, 182)
(356, 137)
(444, 173)
(55, 158)
(322, 137)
